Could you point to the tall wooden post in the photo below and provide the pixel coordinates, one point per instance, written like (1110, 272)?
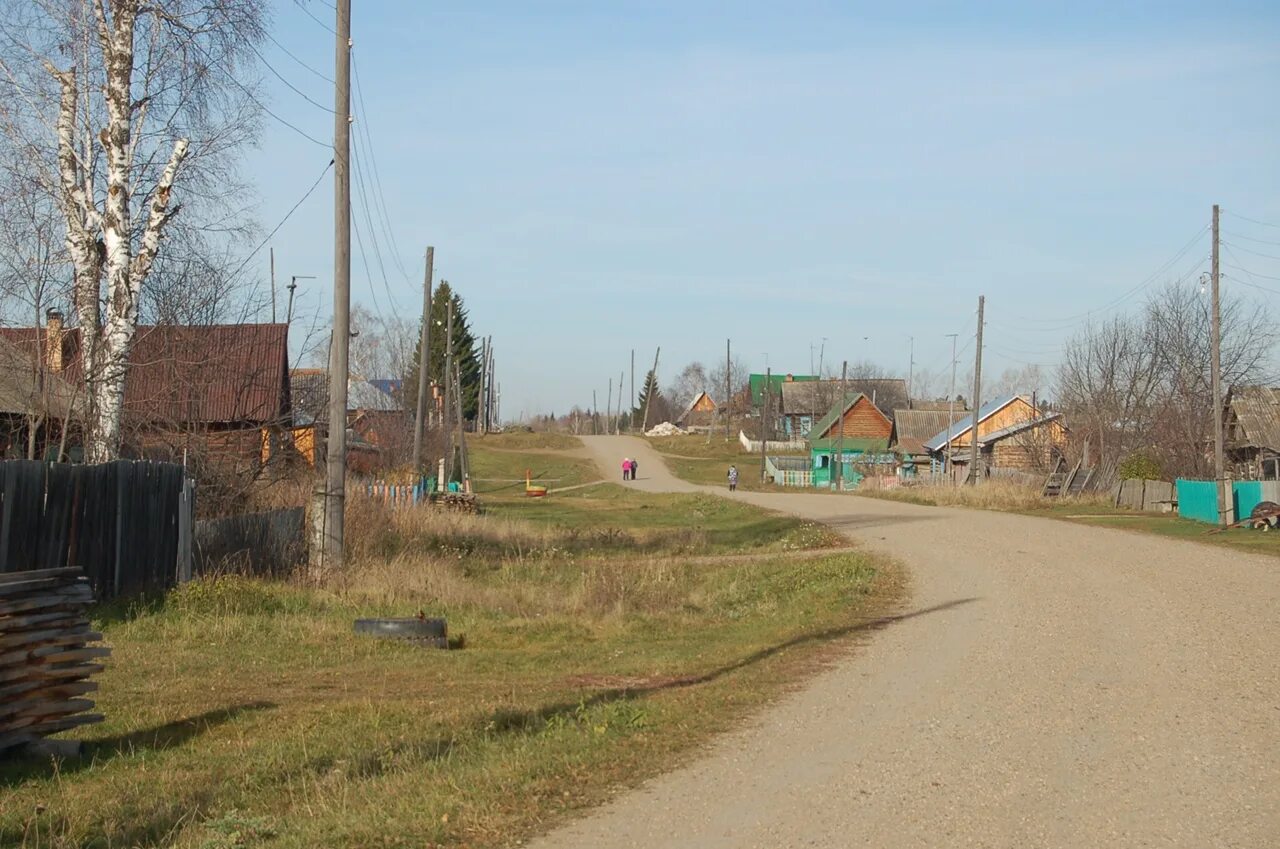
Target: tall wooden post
(1225, 501)
(977, 397)
(424, 361)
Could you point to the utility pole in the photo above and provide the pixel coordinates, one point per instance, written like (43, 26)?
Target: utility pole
(977, 397)
(424, 360)
(448, 392)
(336, 453)
(911, 369)
(631, 424)
(648, 401)
(822, 353)
(462, 436)
(951, 396)
(608, 409)
(839, 470)
(293, 285)
(764, 419)
(617, 423)
(273, 285)
(484, 367)
(595, 413)
(728, 367)
(1215, 363)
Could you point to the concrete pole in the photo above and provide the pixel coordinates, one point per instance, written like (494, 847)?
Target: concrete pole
(424, 361)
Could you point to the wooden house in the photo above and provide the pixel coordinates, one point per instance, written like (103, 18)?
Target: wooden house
(216, 391)
(700, 413)
(1012, 435)
(803, 404)
(912, 428)
(37, 406)
(1252, 432)
(854, 433)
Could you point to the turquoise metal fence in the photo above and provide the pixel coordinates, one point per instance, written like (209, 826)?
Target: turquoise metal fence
(1198, 500)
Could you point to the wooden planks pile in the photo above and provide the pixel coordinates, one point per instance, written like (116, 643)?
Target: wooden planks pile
(45, 656)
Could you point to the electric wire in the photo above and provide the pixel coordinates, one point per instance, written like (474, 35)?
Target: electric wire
(379, 196)
(1255, 253)
(321, 23)
(1250, 238)
(283, 221)
(294, 57)
(1251, 220)
(290, 85)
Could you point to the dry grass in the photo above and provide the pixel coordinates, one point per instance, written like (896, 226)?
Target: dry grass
(989, 495)
(601, 646)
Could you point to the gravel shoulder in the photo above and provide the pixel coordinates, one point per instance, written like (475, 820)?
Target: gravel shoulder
(1052, 685)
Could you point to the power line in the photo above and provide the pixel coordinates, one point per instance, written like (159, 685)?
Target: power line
(276, 229)
(1250, 238)
(291, 86)
(1068, 321)
(364, 205)
(1255, 253)
(321, 23)
(1252, 220)
(288, 53)
(388, 231)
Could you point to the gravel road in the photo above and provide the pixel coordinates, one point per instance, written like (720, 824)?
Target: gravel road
(1057, 686)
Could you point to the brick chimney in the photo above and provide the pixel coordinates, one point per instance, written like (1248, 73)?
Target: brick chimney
(53, 340)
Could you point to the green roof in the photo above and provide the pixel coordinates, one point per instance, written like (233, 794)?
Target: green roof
(833, 415)
(775, 381)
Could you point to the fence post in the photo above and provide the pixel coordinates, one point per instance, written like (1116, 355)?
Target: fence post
(186, 521)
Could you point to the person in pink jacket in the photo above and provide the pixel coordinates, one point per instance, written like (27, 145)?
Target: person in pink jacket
(626, 468)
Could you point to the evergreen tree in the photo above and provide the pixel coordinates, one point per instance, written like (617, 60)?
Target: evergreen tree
(651, 397)
(464, 351)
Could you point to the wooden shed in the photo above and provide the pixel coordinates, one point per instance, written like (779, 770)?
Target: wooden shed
(701, 412)
(1012, 434)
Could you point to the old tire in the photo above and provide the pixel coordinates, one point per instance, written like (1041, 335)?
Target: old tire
(434, 630)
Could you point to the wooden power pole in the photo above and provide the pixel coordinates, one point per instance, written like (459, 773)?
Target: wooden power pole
(764, 420)
(448, 393)
(728, 367)
(648, 399)
(977, 397)
(336, 449)
(1225, 508)
(839, 469)
(951, 399)
(424, 361)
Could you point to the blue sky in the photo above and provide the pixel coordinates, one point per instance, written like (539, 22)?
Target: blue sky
(597, 177)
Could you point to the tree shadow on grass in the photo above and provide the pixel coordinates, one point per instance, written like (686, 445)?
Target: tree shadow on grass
(156, 738)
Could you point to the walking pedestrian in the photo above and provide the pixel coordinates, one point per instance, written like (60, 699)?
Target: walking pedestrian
(626, 468)
(634, 467)
(733, 478)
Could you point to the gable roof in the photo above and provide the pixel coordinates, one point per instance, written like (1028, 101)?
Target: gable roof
(756, 384)
(1257, 412)
(1018, 427)
(816, 396)
(912, 428)
(694, 403)
(188, 374)
(838, 412)
(960, 428)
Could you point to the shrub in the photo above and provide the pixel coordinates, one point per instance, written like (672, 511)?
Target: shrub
(1140, 466)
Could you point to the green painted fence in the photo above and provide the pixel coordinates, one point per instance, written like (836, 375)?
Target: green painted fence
(1198, 500)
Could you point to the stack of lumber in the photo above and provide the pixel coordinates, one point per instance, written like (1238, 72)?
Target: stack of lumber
(45, 657)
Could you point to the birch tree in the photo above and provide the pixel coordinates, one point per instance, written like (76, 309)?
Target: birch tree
(138, 110)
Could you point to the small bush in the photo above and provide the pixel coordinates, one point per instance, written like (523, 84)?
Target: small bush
(1140, 466)
(229, 595)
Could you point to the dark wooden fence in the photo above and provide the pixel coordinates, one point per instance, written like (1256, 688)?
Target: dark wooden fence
(126, 524)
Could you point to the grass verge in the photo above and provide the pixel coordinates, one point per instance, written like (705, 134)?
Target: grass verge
(598, 651)
(694, 459)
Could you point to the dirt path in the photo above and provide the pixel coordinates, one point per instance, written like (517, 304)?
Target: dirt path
(1061, 686)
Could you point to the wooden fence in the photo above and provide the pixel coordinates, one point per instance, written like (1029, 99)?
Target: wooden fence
(126, 524)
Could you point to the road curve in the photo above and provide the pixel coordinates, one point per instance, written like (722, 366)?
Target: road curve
(1062, 686)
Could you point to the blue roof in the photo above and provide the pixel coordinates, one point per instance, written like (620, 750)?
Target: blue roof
(944, 437)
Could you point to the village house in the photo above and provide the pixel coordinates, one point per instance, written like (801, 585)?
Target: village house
(803, 404)
(218, 391)
(913, 427)
(699, 414)
(1252, 432)
(1013, 435)
(854, 433)
(36, 405)
(377, 426)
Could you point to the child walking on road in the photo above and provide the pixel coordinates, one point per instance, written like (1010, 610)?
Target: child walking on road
(733, 478)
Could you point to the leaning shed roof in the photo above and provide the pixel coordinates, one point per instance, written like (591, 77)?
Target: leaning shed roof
(912, 428)
(24, 391)
(962, 426)
(1257, 412)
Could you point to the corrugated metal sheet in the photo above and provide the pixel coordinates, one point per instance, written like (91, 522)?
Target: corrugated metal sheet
(24, 390)
(943, 436)
(1256, 414)
(817, 396)
(216, 374)
(912, 428)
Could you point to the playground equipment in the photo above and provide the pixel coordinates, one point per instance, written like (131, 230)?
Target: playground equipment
(531, 490)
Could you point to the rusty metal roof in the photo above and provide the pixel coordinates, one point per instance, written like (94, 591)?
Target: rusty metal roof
(816, 397)
(1256, 414)
(913, 428)
(184, 374)
(26, 389)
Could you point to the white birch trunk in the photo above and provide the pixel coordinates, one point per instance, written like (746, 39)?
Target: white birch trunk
(100, 242)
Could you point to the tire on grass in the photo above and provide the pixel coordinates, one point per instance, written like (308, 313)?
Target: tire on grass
(430, 631)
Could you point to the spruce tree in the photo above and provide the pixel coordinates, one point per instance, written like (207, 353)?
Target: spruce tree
(651, 398)
(464, 351)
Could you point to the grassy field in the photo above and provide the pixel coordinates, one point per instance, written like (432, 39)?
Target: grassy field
(604, 636)
(500, 471)
(694, 459)
(524, 440)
